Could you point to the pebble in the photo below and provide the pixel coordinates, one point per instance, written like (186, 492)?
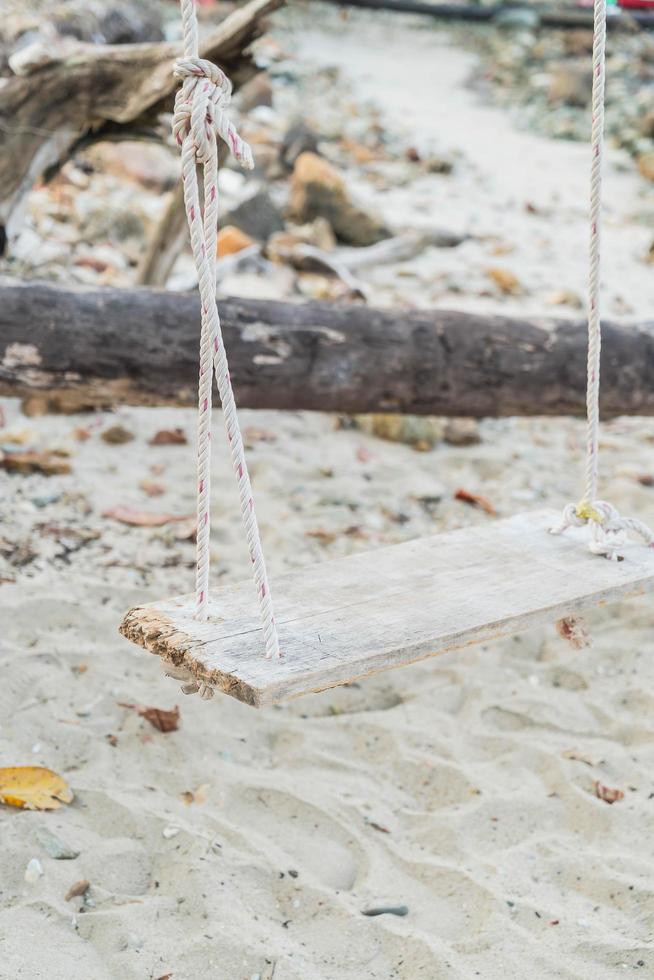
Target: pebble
(54, 846)
(33, 871)
(169, 832)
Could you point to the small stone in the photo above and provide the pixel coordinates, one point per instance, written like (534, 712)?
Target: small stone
(566, 297)
(438, 165)
(257, 216)
(646, 165)
(571, 85)
(231, 240)
(257, 91)
(54, 846)
(117, 435)
(33, 871)
(421, 432)
(169, 832)
(298, 139)
(29, 59)
(462, 432)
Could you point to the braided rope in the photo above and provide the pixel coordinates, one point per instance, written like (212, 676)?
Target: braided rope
(607, 528)
(199, 118)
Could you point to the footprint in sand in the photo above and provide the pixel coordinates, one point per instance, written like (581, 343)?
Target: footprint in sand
(307, 837)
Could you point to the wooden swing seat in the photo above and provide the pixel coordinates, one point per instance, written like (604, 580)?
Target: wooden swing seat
(344, 619)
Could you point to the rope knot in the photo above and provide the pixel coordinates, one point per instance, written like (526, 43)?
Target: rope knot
(608, 529)
(200, 110)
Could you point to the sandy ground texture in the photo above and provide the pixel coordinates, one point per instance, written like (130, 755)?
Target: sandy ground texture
(247, 844)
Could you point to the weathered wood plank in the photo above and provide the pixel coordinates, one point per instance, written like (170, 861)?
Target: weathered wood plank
(101, 347)
(344, 619)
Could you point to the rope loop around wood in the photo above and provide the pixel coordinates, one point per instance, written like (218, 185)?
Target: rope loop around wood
(608, 530)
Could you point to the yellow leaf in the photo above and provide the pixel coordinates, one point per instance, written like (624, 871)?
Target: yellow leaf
(33, 788)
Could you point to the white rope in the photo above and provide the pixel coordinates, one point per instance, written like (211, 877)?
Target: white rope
(607, 528)
(199, 118)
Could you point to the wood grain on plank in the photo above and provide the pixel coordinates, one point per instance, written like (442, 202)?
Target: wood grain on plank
(344, 619)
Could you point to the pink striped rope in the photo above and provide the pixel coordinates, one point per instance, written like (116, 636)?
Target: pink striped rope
(199, 119)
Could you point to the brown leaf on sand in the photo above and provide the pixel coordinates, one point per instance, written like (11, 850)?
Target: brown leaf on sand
(152, 488)
(79, 888)
(48, 463)
(160, 718)
(607, 793)
(320, 534)
(575, 630)
(169, 437)
(33, 788)
(505, 281)
(143, 518)
(475, 500)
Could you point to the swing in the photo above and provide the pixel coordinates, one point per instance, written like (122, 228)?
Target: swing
(342, 620)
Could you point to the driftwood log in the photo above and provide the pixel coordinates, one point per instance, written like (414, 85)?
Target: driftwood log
(100, 347)
(556, 17)
(96, 92)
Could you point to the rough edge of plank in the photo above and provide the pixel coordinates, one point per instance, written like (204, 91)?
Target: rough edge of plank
(154, 631)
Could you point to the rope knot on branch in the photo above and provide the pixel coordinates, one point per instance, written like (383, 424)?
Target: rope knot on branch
(201, 111)
(607, 528)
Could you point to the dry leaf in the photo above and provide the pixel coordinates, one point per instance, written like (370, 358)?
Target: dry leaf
(160, 718)
(33, 788)
(576, 756)
(575, 630)
(47, 463)
(607, 793)
(79, 888)
(505, 281)
(152, 488)
(18, 438)
(143, 518)
(169, 437)
(325, 537)
(475, 500)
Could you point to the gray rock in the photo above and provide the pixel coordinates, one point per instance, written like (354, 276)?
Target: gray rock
(571, 84)
(299, 138)
(256, 92)
(258, 216)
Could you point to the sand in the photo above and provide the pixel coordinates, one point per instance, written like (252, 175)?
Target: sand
(461, 788)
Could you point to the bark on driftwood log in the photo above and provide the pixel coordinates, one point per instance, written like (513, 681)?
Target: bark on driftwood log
(101, 92)
(102, 347)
